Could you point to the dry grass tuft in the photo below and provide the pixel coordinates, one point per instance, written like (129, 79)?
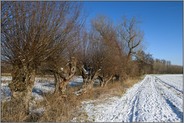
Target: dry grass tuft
(131, 81)
(13, 111)
(58, 107)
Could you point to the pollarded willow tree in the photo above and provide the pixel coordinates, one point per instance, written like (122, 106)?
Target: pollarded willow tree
(31, 33)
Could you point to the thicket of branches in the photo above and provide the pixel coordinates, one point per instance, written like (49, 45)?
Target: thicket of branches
(50, 38)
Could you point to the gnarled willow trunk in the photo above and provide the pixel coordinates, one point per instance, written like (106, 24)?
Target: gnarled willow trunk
(89, 77)
(64, 75)
(22, 84)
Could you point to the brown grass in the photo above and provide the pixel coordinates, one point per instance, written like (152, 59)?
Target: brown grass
(59, 108)
(13, 111)
(131, 81)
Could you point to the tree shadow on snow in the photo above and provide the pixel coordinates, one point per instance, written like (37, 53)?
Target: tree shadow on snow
(49, 85)
(38, 91)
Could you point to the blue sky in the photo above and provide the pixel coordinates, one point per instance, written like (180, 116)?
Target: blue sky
(160, 21)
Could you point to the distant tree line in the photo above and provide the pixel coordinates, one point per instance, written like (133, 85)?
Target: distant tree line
(148, 65)
(165, 67)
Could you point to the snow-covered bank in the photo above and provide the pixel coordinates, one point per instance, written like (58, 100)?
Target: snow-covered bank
(157, 98)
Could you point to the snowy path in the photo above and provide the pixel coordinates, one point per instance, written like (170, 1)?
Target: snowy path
(151, 100)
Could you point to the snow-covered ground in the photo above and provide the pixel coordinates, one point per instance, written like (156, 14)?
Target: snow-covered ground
(157, 98)
(42, 85)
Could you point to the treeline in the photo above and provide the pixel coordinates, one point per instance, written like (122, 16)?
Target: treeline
(165, 67)
(156, 67)
(148, 65)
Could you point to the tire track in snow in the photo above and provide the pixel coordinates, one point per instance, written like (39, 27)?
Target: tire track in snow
(168, 85)
(165, 112)
(135, 102)
(132, 113)
(172, 96)
(144, 102)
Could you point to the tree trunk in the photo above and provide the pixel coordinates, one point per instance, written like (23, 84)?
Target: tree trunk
(22, 84)
(107, 81)
(56, 77)
(129, 56)
(64, 75)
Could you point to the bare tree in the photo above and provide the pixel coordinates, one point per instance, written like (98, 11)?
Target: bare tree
(131, 36)
(113, 54)
(31, 33)
(83, 49)
(145, 62)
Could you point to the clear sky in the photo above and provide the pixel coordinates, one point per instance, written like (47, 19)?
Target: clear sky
(160, 21)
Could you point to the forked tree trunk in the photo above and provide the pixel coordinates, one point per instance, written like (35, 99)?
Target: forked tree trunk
(60, 84)
(22, 84)
(106, 80)
(89, 78)
(64, 75)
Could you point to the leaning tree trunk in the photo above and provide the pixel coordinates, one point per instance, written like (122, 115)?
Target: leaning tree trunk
(22, 84)
(107, 80)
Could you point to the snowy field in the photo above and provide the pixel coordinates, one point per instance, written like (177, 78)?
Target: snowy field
(157, 98)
